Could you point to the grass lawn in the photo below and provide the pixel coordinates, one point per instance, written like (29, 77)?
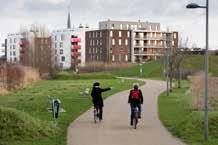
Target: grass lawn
(182, 121)
(153, 69)
(30, 110)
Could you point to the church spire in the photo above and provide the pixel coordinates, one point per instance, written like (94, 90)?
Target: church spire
(68, 21)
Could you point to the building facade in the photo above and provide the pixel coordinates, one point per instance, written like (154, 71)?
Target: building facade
(128, 25)
(108, 45)
(13, 47)
(151, 44)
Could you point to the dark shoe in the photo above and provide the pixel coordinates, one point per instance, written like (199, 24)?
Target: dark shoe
(131, 123)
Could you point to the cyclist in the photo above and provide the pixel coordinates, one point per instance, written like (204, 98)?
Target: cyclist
(97, 98)
(135, 100)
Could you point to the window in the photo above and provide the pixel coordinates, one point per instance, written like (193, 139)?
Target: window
(111, 33)
(126, 57)
(128, 34)
(155, 42)
(149, 42)
(113, 41)
(90, 35)
(90, 42)
(93, 43)
(93, 34)
(97, 42)
(174, 36)
(61, 44)
(121, 26)
(62, 37)
(161, 43)
(112, 27)
(132, 27)
(113, 58)
(100, 34)
(63, 58)
(135, 27)
(126, 42)
(14, 40)
(14, 54)
(55, 37)
(61, 51)
(15, 59)
(10, 53)
(13, 46)
(173, 43)
(100, 42)
(120, 42)
(56, 45)
(10, 40)
(120, 34)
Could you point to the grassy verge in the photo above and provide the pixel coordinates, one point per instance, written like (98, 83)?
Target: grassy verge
(32, 102)
(182, 121)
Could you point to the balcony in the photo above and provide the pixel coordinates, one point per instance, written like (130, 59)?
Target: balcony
(76, 47)
(75, 40)
(76, 54)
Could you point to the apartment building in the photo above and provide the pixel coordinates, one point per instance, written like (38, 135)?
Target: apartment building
(37, 52)
(151, 44)
(63, 43)
(108, 45)
(13, 47)
(128, 25)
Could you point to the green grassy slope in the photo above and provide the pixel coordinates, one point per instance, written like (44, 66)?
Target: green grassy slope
(184, 122)
(33, 101)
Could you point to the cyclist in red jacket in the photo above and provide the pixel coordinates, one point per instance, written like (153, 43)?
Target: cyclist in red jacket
(135, 100)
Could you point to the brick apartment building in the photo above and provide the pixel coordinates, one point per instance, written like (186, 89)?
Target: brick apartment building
(37, 53)
(108, 45)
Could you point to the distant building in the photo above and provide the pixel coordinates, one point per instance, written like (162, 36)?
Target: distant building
(126, 41)
(151, 44)
(128, 25)
(13, 47)
(108, 45)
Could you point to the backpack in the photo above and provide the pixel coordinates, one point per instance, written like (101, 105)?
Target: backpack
(135, 94)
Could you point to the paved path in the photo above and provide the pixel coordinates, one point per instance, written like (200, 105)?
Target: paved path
(115, 128)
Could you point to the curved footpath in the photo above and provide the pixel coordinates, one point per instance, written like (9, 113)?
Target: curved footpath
(115, 128)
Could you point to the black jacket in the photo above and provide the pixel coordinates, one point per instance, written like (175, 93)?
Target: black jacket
(139, 101)
(96, 96)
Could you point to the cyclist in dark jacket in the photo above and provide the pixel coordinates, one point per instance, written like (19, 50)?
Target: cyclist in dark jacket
(135, 100)
(97, 98)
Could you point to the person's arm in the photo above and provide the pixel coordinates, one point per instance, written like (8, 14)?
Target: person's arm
(141, 96)
(92, 94)
(106, 89)
(129, 100)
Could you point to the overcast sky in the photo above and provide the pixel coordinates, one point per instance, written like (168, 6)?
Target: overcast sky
(53, 13)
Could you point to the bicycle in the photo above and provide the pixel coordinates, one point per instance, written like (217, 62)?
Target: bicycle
(96, 115)
(135, 116)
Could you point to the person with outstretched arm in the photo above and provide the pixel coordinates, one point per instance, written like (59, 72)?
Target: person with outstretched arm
(97, 98)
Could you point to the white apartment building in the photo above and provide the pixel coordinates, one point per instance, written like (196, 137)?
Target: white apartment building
(13, 47)
(61, 42)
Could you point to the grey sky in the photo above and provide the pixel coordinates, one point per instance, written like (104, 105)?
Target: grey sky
(53, 13)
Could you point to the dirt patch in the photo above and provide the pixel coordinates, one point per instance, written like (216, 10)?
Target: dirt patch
(197, 91)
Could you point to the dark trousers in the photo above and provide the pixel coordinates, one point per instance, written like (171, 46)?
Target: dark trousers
(132, 110)
(100, 111)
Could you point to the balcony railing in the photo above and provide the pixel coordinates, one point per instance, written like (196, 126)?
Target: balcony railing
(75, 40)
(76, 47)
